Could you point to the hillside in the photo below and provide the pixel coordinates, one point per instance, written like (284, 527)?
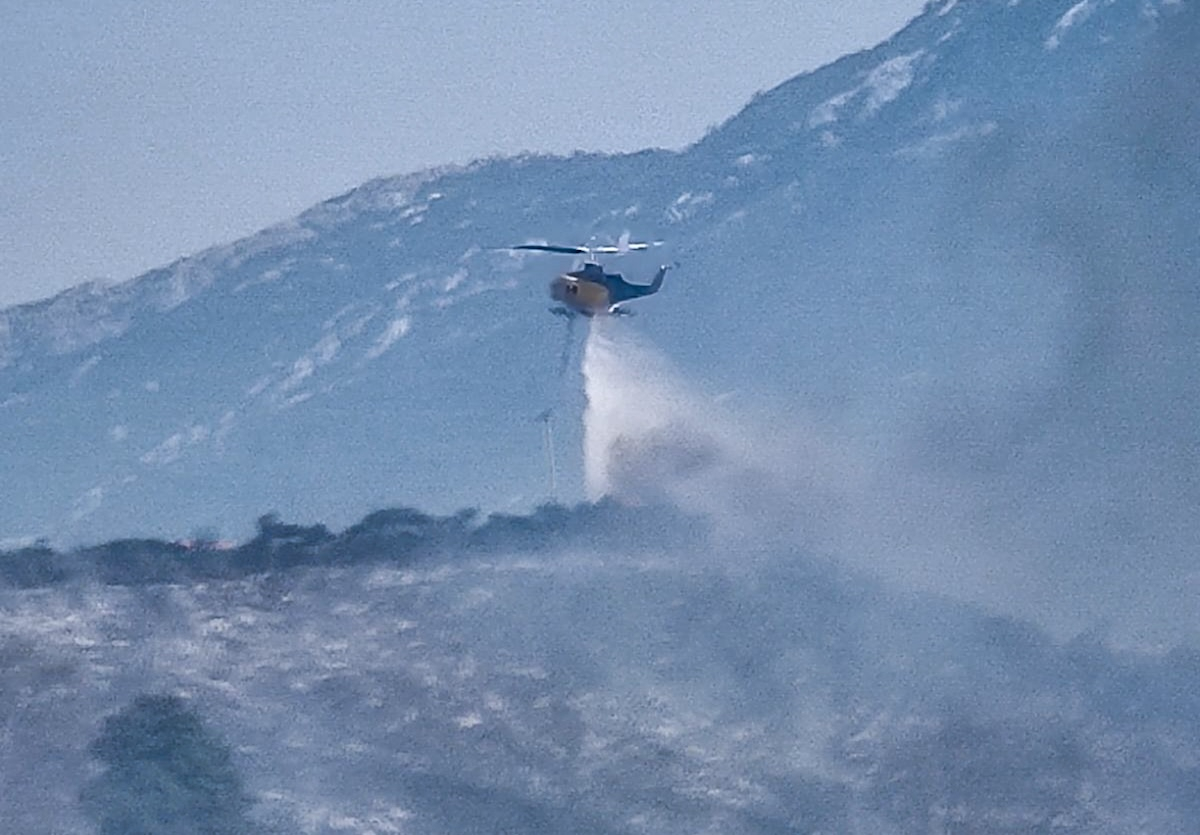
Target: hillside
(964, 260)
(880, 518)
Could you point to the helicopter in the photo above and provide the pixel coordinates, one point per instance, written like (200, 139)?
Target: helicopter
(590, 291)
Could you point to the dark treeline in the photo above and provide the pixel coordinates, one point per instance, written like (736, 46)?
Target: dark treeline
(164, 772)
(397, 536)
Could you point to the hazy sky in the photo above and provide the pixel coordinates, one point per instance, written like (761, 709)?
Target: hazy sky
(133, 133)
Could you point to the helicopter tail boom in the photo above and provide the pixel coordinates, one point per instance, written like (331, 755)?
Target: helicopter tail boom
(657, 283)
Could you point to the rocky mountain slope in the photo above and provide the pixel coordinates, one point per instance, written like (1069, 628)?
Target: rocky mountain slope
(533, 686)
(904, 458)
(930, 222)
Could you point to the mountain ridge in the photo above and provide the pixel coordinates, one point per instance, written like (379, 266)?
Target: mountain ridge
(912, 250)
(895, 481)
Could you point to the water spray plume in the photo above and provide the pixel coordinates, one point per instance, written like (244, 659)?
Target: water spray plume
(632, 398)
(651, 438)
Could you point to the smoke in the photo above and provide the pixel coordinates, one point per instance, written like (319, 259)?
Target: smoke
(976, 502)
(1080, 471)
(777, 484)
(1014, 424)
(561, 683)
(652, 438)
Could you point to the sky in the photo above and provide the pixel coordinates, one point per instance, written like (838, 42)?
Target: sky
(135, 133)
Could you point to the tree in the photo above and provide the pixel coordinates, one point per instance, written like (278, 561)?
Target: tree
(165, 774)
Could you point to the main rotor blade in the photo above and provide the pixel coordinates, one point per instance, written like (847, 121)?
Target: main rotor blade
(562, 250)
(610, 248)
(607, 249)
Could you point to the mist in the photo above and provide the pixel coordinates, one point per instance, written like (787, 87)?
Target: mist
(982, 361)
(702, 648)
(1069, 456)
(643, 675)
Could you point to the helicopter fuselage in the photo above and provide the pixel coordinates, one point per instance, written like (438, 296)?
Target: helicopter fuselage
(592, 292)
